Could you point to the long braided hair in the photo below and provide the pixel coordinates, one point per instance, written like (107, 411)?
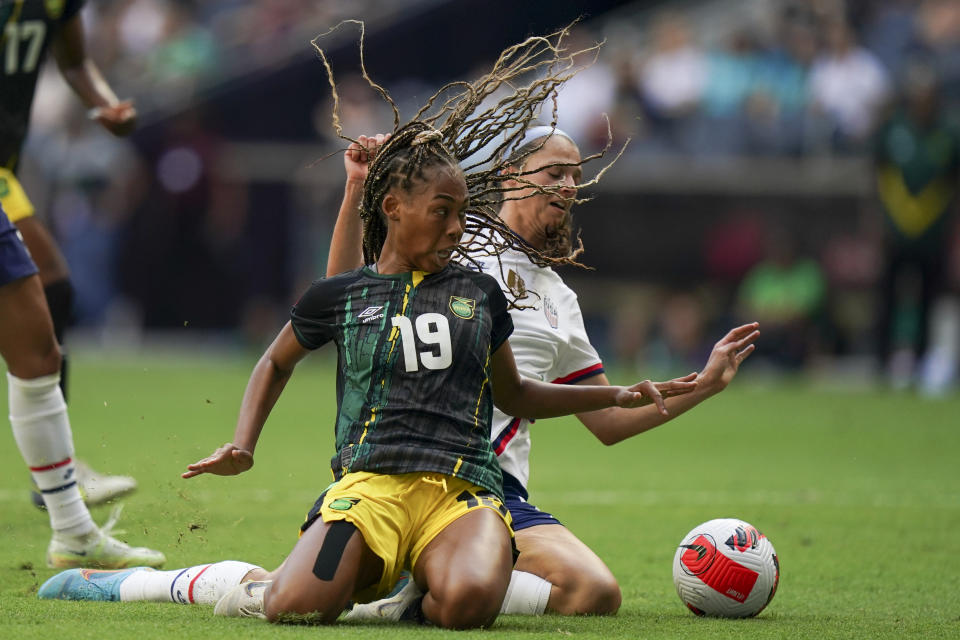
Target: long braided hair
(411, 151)
(479, 126)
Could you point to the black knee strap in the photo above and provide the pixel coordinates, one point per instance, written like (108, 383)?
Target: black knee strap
(328, 558)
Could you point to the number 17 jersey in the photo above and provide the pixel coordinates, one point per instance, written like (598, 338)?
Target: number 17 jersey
(26, 29)
(413, 378)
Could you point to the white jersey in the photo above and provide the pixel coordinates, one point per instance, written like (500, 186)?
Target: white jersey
(549, 343)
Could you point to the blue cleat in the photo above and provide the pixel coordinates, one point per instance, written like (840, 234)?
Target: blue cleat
(86, 584)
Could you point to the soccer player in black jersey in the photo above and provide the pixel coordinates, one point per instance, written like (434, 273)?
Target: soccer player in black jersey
(28, 30)
(556, 572)
(423, 354)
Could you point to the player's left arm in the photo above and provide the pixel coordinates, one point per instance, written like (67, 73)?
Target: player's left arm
(83, 76)
(615, 424)
(516, 395)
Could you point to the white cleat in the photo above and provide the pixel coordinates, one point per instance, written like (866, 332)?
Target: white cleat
(243, 601)
(391, 608)
(99, 550)
(98, 488)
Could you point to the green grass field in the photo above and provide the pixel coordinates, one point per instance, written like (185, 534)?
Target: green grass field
(858, 491)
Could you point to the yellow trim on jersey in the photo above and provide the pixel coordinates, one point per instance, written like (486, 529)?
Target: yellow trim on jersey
(912, 213)
(486, 379)
(417, 277)
(13, 198)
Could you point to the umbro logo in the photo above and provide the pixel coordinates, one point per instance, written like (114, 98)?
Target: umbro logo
(370, 314)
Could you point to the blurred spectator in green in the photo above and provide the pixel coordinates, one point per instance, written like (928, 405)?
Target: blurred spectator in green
(784, 292)
(917, 163)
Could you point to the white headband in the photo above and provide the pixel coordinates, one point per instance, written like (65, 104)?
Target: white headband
(542, 131)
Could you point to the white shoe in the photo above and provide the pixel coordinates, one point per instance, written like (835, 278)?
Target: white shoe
(391, 608)
(98, 488)
(99, 550)
(243, 601)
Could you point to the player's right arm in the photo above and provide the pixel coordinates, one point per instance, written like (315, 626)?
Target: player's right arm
(346, 245)
(266, 383)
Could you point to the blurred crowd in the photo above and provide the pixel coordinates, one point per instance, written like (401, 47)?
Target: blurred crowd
(794, 77)
(152, 225)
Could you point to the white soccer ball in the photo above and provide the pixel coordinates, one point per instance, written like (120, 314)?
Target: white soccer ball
(726, 568)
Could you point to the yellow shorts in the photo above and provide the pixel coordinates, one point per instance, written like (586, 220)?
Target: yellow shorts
(14, 200)
(398, 515)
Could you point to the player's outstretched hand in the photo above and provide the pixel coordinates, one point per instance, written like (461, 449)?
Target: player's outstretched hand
(120, 119)
(647, 392)
(357, 158)
(727, 354)
(228, 460)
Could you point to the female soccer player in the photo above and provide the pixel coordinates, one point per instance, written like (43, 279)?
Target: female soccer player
(465, 129)
(555, 571)
(423, 354)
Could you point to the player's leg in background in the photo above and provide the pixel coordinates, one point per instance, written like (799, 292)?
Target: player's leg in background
(38, 416)
(329, 563)
(580, 581)
(465, 570)
(38, 413)
(58, 291)
(54, 272)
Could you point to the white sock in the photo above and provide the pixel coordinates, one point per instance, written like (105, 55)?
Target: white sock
(41, 428)
(202, 584)
(527, 594)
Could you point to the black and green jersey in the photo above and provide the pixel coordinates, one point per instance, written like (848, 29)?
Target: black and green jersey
(26, 29)
(918, 173)
(413, 387)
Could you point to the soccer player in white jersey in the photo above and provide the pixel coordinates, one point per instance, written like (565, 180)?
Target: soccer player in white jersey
(556, 571)
(412, 444)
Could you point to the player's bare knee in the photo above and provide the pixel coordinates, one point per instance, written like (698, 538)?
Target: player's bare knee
(469, 605)
(605, 598)
(585, 593)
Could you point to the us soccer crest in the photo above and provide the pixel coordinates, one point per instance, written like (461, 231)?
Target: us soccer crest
(462, 307)
(550, 311)
(54, 8)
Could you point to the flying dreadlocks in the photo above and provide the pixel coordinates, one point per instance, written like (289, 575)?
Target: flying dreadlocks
(468, 124)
